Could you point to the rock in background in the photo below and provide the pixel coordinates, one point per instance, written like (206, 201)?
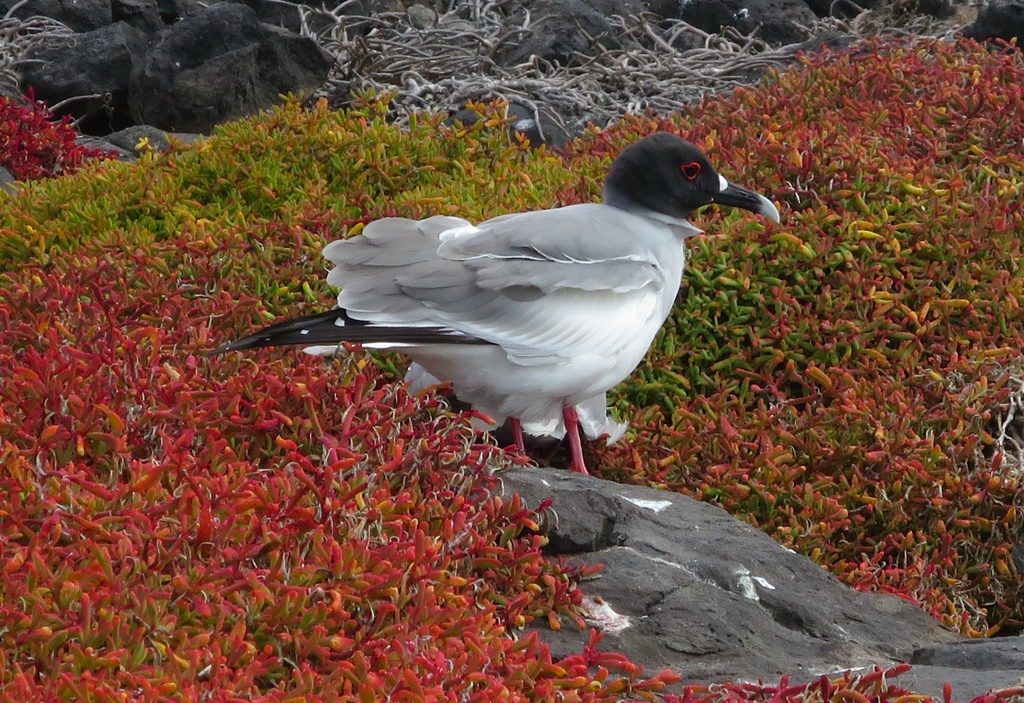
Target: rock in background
(148, 63)
(94, 70)
(221, 63)
(1002, 19)
(182, 66)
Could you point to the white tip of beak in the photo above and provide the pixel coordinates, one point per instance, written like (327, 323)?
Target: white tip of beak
(768, 208)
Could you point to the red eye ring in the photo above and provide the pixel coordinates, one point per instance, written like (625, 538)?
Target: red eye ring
(690, 171)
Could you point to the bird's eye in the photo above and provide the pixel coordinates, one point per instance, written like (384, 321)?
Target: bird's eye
(690, 171)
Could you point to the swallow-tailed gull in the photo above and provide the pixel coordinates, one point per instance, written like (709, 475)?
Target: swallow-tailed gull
(531, 315)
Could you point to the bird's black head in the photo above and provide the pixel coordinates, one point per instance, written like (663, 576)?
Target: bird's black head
(669, 175)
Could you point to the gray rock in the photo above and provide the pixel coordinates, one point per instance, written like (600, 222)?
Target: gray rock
(144, 15)
(688, 587)
(777, 22)
(78, 15)
(220, 64)
(277, 13)
(158, 140)
(561, 31)
(421, 16)
(995, 653)
(998, 20)
(97, 63)
(7, 182)
(172, 11)
(967, 684)
(98, 143)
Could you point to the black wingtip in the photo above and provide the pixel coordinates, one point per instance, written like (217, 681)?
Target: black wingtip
(238, 345)
(223, 349)
(283, 333)
(336, 326)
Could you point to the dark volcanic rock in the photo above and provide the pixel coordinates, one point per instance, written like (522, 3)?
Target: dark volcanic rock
(130, 138)
(91, 142)
(144, 15)
(936, 8)
(126, 144)
(841, 8)
(688, 587)
(998, 20)
(221, 64)
(78, 15)
(561, 30)
(173, 10)
(776, 21)
(97, 63)
(277, 13)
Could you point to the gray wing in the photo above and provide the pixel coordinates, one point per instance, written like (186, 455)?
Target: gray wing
(539, 284)
(577, 247)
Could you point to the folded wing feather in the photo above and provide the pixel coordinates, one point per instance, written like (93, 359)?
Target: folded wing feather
(538, 284)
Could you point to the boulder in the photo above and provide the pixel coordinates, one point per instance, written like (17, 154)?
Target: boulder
(97, 63)
(219, 64)
(77, 15)
(686, 586)
(173, 10)
(998, 20)
(777, 22)
(277, 13)
(144, 15)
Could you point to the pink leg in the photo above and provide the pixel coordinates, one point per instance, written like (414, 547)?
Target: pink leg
(517, 433)
(572, 431)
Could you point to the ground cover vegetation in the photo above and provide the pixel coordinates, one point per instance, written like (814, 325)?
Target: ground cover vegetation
(33, 145)
(271, 527)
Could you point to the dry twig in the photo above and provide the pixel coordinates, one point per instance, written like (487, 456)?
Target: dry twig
(444, 66)
(18, 37)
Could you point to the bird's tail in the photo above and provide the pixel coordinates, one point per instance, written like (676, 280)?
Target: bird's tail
(337, 326)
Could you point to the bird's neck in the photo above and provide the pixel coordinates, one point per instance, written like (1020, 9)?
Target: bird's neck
(682, 227)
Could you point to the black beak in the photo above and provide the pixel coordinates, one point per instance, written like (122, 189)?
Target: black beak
(736, 196)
